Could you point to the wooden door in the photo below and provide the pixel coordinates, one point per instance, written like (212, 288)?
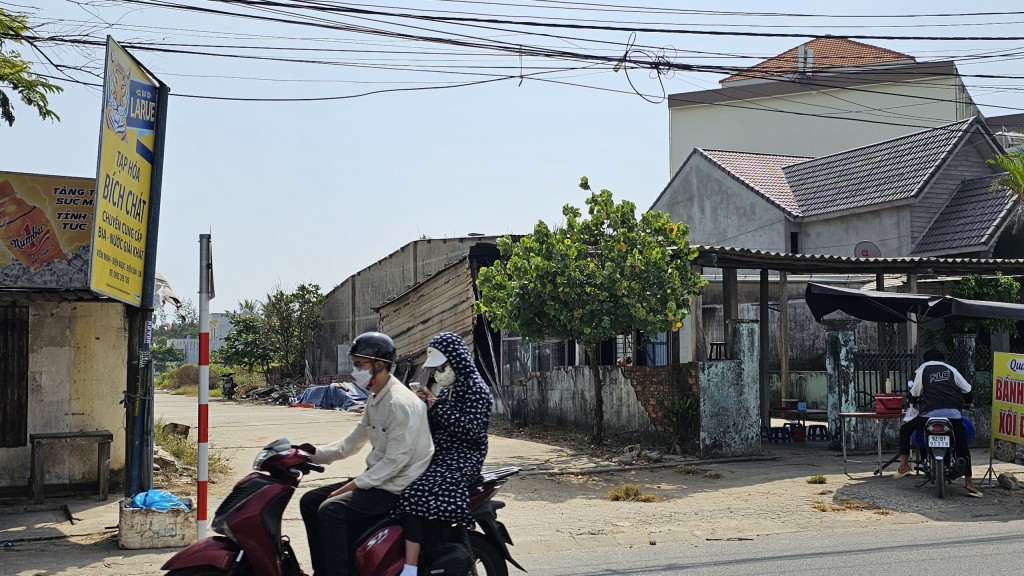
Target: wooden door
(13, 376)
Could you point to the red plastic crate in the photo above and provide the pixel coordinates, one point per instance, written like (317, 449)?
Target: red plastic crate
(888, 403)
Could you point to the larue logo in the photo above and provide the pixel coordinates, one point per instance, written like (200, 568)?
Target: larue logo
(1016, 365)
(116, 98)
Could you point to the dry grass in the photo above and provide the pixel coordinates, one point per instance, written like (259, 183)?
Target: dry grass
(629, 493)
(847, 504)
(691, 470)
(186, 451)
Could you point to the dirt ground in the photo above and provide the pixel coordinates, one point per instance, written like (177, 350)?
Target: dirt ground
(560, 501)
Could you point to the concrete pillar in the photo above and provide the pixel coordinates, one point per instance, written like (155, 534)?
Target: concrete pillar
(839, 346)
(743, 338)
(1000, 340)
(745, 345)
(963, 355)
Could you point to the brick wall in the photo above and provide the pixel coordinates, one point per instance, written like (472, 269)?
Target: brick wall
(657, 386)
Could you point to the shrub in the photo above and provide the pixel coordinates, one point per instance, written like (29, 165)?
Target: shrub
(186, 376)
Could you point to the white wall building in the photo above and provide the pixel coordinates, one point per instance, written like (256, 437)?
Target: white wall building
(825, 96)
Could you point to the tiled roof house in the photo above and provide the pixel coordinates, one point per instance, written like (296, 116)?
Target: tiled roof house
(923, 194)
(824, 96)
(820, 54)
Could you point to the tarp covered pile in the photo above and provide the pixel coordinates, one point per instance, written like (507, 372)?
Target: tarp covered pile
(334, 396)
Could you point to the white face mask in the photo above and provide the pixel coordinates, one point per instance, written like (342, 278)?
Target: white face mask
(362, 377)
(445, 377)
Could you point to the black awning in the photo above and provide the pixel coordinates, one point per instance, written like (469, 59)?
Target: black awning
(896, 307)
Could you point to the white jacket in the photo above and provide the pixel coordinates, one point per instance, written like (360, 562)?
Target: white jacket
(395, 424)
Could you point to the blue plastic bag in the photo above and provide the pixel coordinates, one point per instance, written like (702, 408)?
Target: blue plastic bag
(160, 500)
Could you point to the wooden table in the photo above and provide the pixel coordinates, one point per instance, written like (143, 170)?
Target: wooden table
(102, 439)
(880, 418)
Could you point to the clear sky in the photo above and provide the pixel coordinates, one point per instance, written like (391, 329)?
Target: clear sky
(314, 191)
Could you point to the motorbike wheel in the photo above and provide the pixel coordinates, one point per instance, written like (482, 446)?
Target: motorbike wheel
(489, 560)
(197, 571)
(939, 476)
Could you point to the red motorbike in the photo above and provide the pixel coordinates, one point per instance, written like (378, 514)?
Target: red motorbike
(250, 543)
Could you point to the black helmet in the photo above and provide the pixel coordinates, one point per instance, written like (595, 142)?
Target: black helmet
(375, 345)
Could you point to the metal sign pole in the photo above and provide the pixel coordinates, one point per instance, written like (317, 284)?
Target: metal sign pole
(205, 282)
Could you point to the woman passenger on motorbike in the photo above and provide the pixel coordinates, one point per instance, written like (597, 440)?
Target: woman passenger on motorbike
(943, 392)
(459, 415)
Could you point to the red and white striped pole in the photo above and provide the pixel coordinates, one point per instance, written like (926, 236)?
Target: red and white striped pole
(202, 463)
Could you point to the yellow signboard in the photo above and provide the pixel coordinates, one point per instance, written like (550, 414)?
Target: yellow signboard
(127, 141)
(45, 229)
(1008, 400)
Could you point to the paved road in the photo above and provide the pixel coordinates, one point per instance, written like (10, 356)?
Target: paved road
(556, 507)
(963, 548)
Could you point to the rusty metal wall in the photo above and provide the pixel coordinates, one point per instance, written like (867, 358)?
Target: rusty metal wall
(442, 303)
(349, 307)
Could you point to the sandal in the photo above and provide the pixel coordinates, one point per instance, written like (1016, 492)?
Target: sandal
(974, 493)
(902, 473)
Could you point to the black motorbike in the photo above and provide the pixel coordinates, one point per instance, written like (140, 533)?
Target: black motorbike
(228, 386)
(933, 453)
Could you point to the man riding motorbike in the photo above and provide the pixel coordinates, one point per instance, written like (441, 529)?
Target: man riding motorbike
(395, 423)
(939, 390)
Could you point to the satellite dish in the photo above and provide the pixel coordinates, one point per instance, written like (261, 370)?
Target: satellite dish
(866, 249)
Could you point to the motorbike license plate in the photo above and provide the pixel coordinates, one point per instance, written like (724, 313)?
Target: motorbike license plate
(938, 441)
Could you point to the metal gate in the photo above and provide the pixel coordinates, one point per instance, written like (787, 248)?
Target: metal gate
(872, 369)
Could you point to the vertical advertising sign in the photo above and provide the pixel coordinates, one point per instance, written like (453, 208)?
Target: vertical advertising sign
(1007, 404)
(46, 230)
(124, 177)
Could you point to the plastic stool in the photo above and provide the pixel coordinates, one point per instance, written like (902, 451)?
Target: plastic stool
(817, 432)
(780, 434)
(797, 431)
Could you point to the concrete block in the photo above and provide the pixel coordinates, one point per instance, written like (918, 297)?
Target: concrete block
(144, 528)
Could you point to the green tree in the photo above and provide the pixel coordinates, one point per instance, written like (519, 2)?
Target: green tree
(592, 279)
(996, 288)
(164, 355)
(277, 332)
(185, 324)
(291, 321)
(245, 345)
(1012, 165)
(16, 72)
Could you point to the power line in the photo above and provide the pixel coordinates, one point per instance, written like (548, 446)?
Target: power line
(531, 23)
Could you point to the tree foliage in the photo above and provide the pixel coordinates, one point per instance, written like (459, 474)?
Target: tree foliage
(16, 72)
(165, 356)
(275, 333)
(185, 324)
(996, 288)
(1012, 164)
(592, 279)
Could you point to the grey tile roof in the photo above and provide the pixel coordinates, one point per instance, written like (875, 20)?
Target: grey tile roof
(971, 218)
(892, 170)
(761, 172)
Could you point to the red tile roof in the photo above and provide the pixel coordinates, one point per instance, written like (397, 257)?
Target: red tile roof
(829, 52)
(762, 172)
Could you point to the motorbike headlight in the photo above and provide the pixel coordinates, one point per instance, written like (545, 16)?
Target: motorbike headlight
(276, 447)
(262, 457)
